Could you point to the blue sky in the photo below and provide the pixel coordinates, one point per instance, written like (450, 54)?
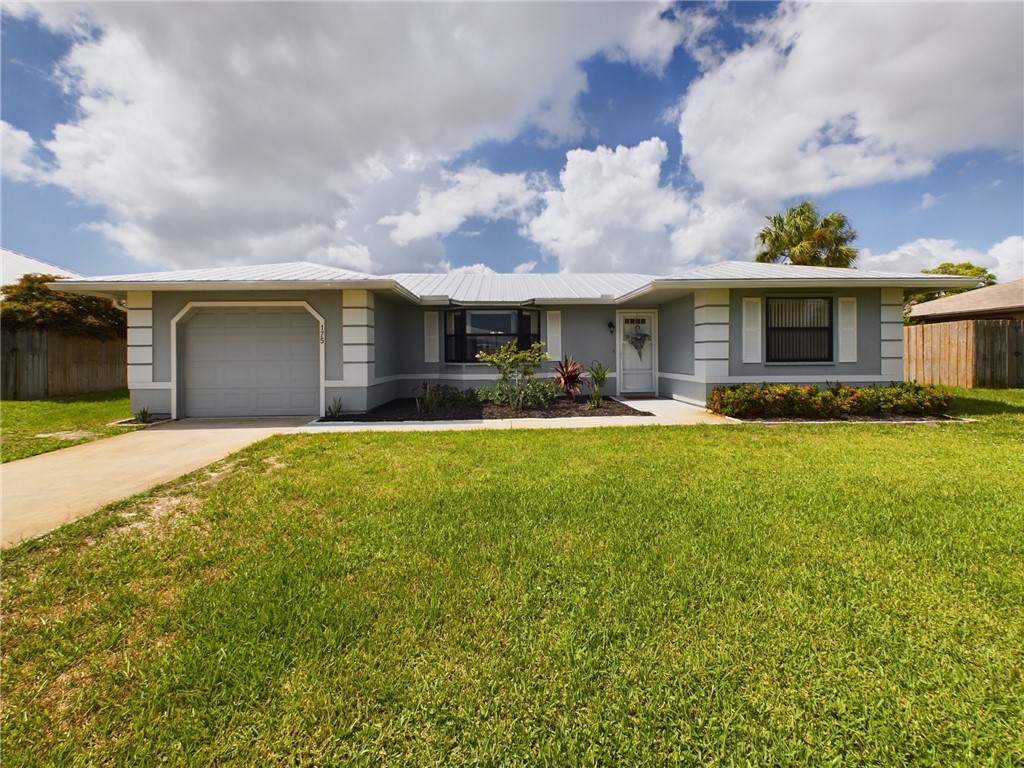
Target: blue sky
(543, 137)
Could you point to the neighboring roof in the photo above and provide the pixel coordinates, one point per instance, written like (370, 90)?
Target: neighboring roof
(491, 288)
(518, 289)
(14, 265)
(1004, 297)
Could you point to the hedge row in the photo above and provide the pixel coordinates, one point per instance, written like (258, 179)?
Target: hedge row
(758, 401)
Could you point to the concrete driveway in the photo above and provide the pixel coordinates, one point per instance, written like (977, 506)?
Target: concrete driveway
(43, 492)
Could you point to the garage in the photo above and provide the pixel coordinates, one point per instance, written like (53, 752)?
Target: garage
(250, 361)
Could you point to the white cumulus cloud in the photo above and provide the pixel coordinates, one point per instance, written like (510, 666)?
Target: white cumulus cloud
(214, 133)
(611, 212)
(472, 192)
(833, 96)
(1005, 259)
(20, 160)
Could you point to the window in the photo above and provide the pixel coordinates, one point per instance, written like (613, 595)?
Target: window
(469, 331)
(799, 330)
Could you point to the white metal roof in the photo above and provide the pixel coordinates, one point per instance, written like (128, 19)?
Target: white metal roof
(752, 270)
(14, 265)
(293, 271)
(492, 288)
(495, 288)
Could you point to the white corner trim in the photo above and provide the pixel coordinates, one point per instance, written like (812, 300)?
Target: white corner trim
(238, 304)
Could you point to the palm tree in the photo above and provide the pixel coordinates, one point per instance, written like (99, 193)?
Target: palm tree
(800, 237)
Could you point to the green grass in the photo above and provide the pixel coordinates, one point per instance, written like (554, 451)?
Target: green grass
(22, 420)
(748, 595)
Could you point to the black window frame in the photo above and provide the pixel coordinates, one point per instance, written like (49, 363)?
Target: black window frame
(459, 346)
(781, 341)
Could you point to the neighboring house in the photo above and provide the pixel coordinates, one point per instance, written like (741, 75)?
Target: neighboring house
(1004, 301)
(290, 338)
(14, 266)
(43, 352)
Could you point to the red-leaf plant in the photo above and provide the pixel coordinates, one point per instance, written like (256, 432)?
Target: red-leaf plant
(570, 377)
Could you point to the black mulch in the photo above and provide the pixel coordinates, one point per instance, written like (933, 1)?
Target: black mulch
(405, 410)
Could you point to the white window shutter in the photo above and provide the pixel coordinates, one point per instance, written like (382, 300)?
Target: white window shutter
(431, 346)
(752, 330)
(847, 330)
(554, 339)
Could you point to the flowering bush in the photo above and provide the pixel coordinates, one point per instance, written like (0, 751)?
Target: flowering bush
(759, 401)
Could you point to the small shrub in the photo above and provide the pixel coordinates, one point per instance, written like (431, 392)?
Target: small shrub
(466, 397)
(333, 411)
(598, 377)
(517, 368)
(485, 394)
(540, 392)
(429, 397)
(760, 401)
(143, 416)
(570, 377)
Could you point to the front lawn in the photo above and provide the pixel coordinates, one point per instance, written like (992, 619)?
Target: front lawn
(748, 594)
(78, 419)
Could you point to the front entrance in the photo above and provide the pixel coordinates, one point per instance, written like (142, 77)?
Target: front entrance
(638, 352)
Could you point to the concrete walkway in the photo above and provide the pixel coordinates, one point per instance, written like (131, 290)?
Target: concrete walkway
(43, 492)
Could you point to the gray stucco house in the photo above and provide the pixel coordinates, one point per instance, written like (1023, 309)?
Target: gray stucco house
(284, 339)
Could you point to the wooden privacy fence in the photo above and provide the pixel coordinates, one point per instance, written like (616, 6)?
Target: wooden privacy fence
(965, 353)
(36, 365)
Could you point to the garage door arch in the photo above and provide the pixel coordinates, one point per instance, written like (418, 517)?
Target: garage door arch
(190, 309)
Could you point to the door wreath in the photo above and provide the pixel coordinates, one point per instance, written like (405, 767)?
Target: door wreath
(638, 340)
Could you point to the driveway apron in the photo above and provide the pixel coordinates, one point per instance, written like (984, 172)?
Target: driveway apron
(43, 492)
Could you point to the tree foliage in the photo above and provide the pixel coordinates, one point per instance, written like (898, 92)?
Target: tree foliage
(802, 237)
(30, 304)
(963, 269)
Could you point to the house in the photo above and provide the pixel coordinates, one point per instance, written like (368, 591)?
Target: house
(43, 352)
(14, 266)
(283, 339)
(1004, 301)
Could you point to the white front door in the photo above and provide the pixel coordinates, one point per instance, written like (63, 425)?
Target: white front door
(638, 352)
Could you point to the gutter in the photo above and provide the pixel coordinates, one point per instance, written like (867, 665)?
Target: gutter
(118, 288)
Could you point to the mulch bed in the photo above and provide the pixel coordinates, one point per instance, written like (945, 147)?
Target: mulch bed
(405, 410)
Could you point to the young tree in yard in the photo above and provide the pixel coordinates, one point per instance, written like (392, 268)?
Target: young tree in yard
(30, 304)
(802, 237)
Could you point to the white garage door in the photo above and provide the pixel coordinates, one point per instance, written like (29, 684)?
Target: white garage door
(251, 362)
